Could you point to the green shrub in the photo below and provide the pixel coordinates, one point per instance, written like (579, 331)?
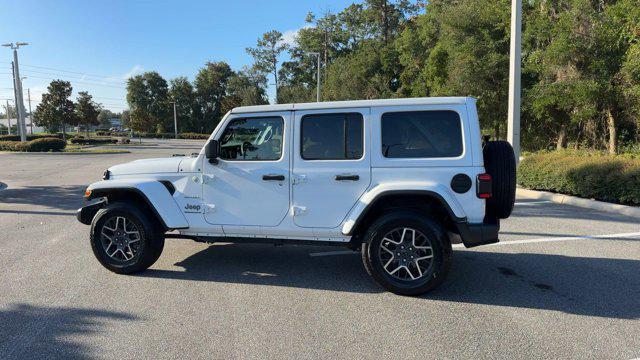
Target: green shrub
(590, 175)
(194, 136)
(29, 137)
(83, 141)
(37, 145)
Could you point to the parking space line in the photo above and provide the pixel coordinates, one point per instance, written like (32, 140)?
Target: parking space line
(503, 243)
(564, 238)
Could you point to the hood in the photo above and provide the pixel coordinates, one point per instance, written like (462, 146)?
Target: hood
(148, 166)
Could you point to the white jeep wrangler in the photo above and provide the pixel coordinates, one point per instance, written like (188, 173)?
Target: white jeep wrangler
(399, 179)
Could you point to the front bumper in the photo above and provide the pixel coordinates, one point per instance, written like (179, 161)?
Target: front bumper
(86, 213)
(478, 234)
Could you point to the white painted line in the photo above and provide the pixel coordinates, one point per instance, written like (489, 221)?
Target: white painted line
(529, 203)
(331, 253)
(565, 238)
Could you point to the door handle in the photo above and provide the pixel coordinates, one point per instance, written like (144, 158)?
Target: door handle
(273, 177)
(347, 177)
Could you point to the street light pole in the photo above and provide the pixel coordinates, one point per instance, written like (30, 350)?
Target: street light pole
(175, 119)
(18, 89)
(30, 113)
(513, 125)
(8, 119)
(317, 76)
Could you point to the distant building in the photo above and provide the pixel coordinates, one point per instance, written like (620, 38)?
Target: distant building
(36, 129)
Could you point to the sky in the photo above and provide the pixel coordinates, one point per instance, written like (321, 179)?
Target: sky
(97, 45)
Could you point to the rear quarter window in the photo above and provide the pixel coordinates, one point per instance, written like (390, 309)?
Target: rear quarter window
(421, 134)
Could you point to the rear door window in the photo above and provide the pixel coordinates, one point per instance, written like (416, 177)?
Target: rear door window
(332, 136)
(421, 134)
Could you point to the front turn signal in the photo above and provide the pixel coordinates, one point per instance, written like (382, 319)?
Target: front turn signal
(87, 193)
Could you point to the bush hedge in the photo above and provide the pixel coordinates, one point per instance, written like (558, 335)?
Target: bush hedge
(194, 136)
(29, 137)
(590, 175)
(37, 145)
(95, 141)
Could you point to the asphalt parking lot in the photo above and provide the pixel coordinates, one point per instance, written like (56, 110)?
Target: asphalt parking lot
(564, 282)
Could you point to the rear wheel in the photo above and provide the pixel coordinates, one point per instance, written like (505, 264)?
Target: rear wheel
(124, 239)
(407, 253)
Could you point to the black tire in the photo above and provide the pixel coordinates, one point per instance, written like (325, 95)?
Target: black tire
(500, 163)
(151, 238)
(434, 232)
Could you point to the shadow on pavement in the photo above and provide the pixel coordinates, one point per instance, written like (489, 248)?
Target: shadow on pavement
(29, 331)
(552, 210)
(63, 197)
(583, 286)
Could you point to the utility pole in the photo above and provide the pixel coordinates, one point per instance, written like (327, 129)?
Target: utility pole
(18, 88)
(175, 119)
(8, 119)
(317, 76)
(513, 125)
(15, 101)
(30, 113)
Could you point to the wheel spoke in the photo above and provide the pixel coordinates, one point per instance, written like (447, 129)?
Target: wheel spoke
(424, 257)
(107, 236)
(113, 253)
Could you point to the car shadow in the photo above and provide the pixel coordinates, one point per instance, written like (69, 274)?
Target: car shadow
(40, 332)
(62, 197)
(575, 285)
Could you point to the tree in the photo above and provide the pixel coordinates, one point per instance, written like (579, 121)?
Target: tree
(11, 110)
(148, 98)
(181, 91)
(86, 110)
(267, 52)
(125, 118)
(104, 118)
(211, 88)
(55, 110)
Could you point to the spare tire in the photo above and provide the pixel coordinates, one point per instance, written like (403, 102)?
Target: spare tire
(500, 163)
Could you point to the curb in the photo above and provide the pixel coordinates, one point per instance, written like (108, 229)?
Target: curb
(62, 153)
(631, 211)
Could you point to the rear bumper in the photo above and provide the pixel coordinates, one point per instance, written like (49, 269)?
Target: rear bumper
(86, 213)
(478, 234)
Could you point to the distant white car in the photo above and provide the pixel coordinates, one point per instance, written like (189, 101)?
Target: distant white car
(398, 179)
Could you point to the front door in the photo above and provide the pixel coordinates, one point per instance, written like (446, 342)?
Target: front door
(331, 164)
(249, 186)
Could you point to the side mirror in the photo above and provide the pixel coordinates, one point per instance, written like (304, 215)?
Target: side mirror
(212, 151)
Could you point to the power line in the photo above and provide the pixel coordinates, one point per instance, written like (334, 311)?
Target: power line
(72, 76)
(64, 71)
(77, 81)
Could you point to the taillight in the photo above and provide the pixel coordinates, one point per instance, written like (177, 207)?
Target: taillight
(483, 186)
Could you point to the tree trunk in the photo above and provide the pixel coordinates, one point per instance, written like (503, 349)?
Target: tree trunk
(613, 135)
(496, 131)
(64, 132)
(562, 138)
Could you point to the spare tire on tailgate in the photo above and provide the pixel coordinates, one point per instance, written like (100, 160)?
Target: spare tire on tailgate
(500, 163)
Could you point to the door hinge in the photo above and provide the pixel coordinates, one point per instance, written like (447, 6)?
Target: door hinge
(298, 179)
(298, 210)
(207, 178)
(209, 208)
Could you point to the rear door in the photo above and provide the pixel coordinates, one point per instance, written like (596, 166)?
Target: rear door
(331, 164)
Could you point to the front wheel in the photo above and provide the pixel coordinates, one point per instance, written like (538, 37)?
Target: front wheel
(407, 253)
(124, 239)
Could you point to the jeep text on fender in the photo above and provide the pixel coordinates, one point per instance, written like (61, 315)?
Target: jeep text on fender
(398, 179)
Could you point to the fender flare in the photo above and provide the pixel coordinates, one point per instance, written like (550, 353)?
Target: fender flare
(155, 194)
(439, 192)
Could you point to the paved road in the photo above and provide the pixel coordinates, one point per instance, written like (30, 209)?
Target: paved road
(563, 283)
